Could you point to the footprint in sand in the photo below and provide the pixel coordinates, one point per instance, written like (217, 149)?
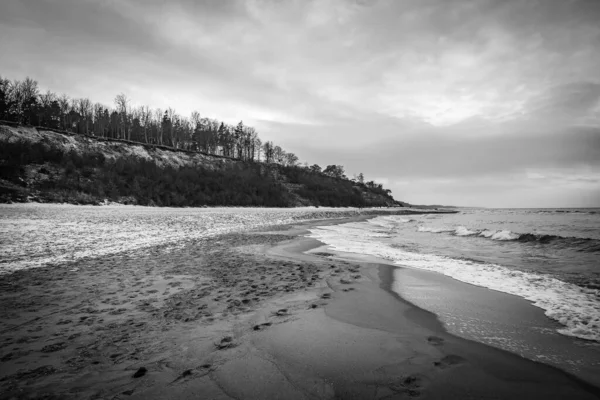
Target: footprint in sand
(262, 326)
(435, 341)
(450, 360)
(408, 385)
(225, 343)
(194, 373)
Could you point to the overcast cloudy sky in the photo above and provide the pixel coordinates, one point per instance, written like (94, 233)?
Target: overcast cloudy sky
(483, 102)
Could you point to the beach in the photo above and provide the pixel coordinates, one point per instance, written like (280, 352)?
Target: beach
(262, 314)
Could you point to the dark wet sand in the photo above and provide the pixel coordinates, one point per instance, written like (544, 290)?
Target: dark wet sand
(243, 316)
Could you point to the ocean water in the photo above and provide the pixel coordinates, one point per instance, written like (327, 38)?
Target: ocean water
(548, 257)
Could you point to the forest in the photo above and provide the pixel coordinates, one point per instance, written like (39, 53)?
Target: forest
(89, 179)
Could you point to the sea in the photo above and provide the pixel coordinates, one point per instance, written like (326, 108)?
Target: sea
(549, 258)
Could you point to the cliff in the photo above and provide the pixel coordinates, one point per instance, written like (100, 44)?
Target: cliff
(37, 164)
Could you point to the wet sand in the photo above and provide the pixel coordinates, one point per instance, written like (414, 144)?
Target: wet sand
(243, 316)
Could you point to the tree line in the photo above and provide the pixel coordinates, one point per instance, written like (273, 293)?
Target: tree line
(23, 102)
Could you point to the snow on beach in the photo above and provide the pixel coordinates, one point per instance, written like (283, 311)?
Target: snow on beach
(32, 235)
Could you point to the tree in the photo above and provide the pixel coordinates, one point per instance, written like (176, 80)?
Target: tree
(315, 168)
(335, 171)
(122, 104)
(145, 119)
(85, 110)
(360, 178)
(291, 160)
(5, 99)
(45, 109)
(158, 118)
(256, 148)
(24, 100)
(268, 149)
(63, 104)
(238, 135)
(168, 127)
(100, 120)
(278, 155)
(166, 123)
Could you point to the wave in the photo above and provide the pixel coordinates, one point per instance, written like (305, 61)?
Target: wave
(587, 245)
(575, 307)
(499, 235)
(433, 230)
(591, 212)
(462, 231)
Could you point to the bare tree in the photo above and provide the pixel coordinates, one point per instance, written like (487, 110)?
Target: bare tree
(268, 149)
(257, 148)
(158, 116)
(84, 107)
(145, 119)
(278, 155)
(63, 104)
(47, 105)
(170, 114)
(122, 104)
(99, 120)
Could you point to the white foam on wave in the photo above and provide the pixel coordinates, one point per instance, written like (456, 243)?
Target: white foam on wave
(386, 222)
(433, 229)
(487, 233)
(576, 308)
(463, 231)
(505, 235)
(501, 235)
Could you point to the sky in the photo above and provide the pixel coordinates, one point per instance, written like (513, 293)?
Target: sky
(491, 103)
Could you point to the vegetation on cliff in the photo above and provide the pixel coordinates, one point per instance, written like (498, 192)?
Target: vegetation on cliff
(47, 166)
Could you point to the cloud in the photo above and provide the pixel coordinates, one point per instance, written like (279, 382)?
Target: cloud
(568, 101)
(453, 90)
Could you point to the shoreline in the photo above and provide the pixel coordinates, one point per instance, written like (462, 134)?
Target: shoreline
(244, 315)
(509, 372)
(491, 317)
(489, 352)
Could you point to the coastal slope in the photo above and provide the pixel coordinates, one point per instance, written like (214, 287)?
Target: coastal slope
(40, 164)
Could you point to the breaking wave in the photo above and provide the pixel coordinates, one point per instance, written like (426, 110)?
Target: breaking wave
(587, 245)
(575, 307)
(433, 230)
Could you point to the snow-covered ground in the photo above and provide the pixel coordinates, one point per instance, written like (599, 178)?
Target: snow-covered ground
(33, 235)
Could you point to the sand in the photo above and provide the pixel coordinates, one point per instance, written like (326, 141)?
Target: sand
(243, 316)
